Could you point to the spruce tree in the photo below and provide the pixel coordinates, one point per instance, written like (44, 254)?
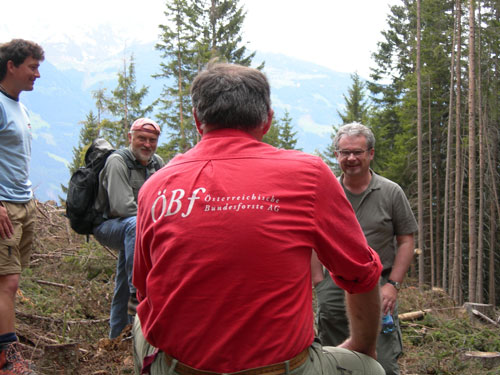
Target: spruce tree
(125, 105)
(272, 137)
(197, 32)
(356, 110)
(356, 107)
(88, 133)
(180, 64)
(222, 32)
(281, 134)
(287, 136)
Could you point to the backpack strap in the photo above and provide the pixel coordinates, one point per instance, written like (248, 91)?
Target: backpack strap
(156, 162)
(127, 157)
(126, 154)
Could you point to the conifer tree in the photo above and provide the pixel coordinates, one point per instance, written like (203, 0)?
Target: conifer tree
(180, 64)
(356, 110)
(272, 137)
(125, 105)
(287, 136)
(197, 31)
(356, 107)
(222, 32)
(88, 133)
(281, 134)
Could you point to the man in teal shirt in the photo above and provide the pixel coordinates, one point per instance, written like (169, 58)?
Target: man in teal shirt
(388, 223)
(19, 62)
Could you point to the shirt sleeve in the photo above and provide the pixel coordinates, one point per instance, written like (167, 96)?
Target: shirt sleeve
(404, 220)
(2, 116)
(340, 243)
(117, 184)
(142, 258)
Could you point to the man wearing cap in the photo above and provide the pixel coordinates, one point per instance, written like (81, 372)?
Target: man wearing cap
(123, 175)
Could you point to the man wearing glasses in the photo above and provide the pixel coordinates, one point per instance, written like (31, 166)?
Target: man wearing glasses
(388, 223)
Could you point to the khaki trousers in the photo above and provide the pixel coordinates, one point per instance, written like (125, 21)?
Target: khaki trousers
(322, 360)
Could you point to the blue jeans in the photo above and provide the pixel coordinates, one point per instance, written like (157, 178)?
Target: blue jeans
(119, 234)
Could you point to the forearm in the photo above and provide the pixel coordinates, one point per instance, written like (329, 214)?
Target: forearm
(317, 274)
(363, 311)
(6, 228)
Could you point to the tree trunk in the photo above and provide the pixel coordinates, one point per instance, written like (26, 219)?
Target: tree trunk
(457, 255)
(491, 279)
(447, 211)
(431, 216)
(480, 233)
(420, 161)
(472, 158)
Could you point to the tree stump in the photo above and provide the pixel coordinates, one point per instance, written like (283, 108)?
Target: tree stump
(485, 309)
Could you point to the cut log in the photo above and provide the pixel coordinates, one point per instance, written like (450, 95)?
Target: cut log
(484, 317)
(488, 360)
(414, 315)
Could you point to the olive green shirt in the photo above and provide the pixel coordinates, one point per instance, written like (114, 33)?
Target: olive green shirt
(383, 211)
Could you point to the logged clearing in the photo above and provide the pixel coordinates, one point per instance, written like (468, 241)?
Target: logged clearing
(63, 305)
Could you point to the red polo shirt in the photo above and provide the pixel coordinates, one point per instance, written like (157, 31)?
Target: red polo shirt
(223, 249)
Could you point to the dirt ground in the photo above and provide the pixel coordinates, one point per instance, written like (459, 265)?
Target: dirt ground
(63, 305)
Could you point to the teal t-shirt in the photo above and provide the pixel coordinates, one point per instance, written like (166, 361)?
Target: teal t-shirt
(15, 151)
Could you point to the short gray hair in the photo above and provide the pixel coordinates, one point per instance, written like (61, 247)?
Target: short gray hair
(354, 129)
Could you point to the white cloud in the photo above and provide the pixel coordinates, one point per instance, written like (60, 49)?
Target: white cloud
(48, 138)
(58, 158)
(287, 78)
(321, 98)
(309, 125)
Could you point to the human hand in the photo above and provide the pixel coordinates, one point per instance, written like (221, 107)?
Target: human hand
(6, 228)
(389, 298)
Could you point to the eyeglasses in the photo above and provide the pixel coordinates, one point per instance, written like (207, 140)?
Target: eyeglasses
(347, 153)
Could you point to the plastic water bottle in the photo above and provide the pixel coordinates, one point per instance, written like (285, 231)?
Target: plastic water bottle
(387, 323)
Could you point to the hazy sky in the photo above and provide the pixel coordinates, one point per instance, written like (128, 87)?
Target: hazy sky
(338, 34)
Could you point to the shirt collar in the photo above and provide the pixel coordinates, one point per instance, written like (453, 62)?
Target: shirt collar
(373, 185)
(8, 96)
(227, 132)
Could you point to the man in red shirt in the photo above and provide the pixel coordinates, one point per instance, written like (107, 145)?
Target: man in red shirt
(224, 239)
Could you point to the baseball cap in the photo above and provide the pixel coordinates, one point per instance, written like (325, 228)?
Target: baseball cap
(146, 125)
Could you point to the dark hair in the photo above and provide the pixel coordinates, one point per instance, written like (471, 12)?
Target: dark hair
(17, 50)
(231, 96)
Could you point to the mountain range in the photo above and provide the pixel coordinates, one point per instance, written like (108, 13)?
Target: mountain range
(62, 98)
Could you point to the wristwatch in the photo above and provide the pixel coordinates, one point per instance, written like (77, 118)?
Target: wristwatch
(395, 284)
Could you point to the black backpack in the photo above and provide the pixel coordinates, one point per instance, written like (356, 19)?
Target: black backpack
(83, 187)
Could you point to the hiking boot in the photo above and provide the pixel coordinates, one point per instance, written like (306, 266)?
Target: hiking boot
(132, 304)
(12, 363)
